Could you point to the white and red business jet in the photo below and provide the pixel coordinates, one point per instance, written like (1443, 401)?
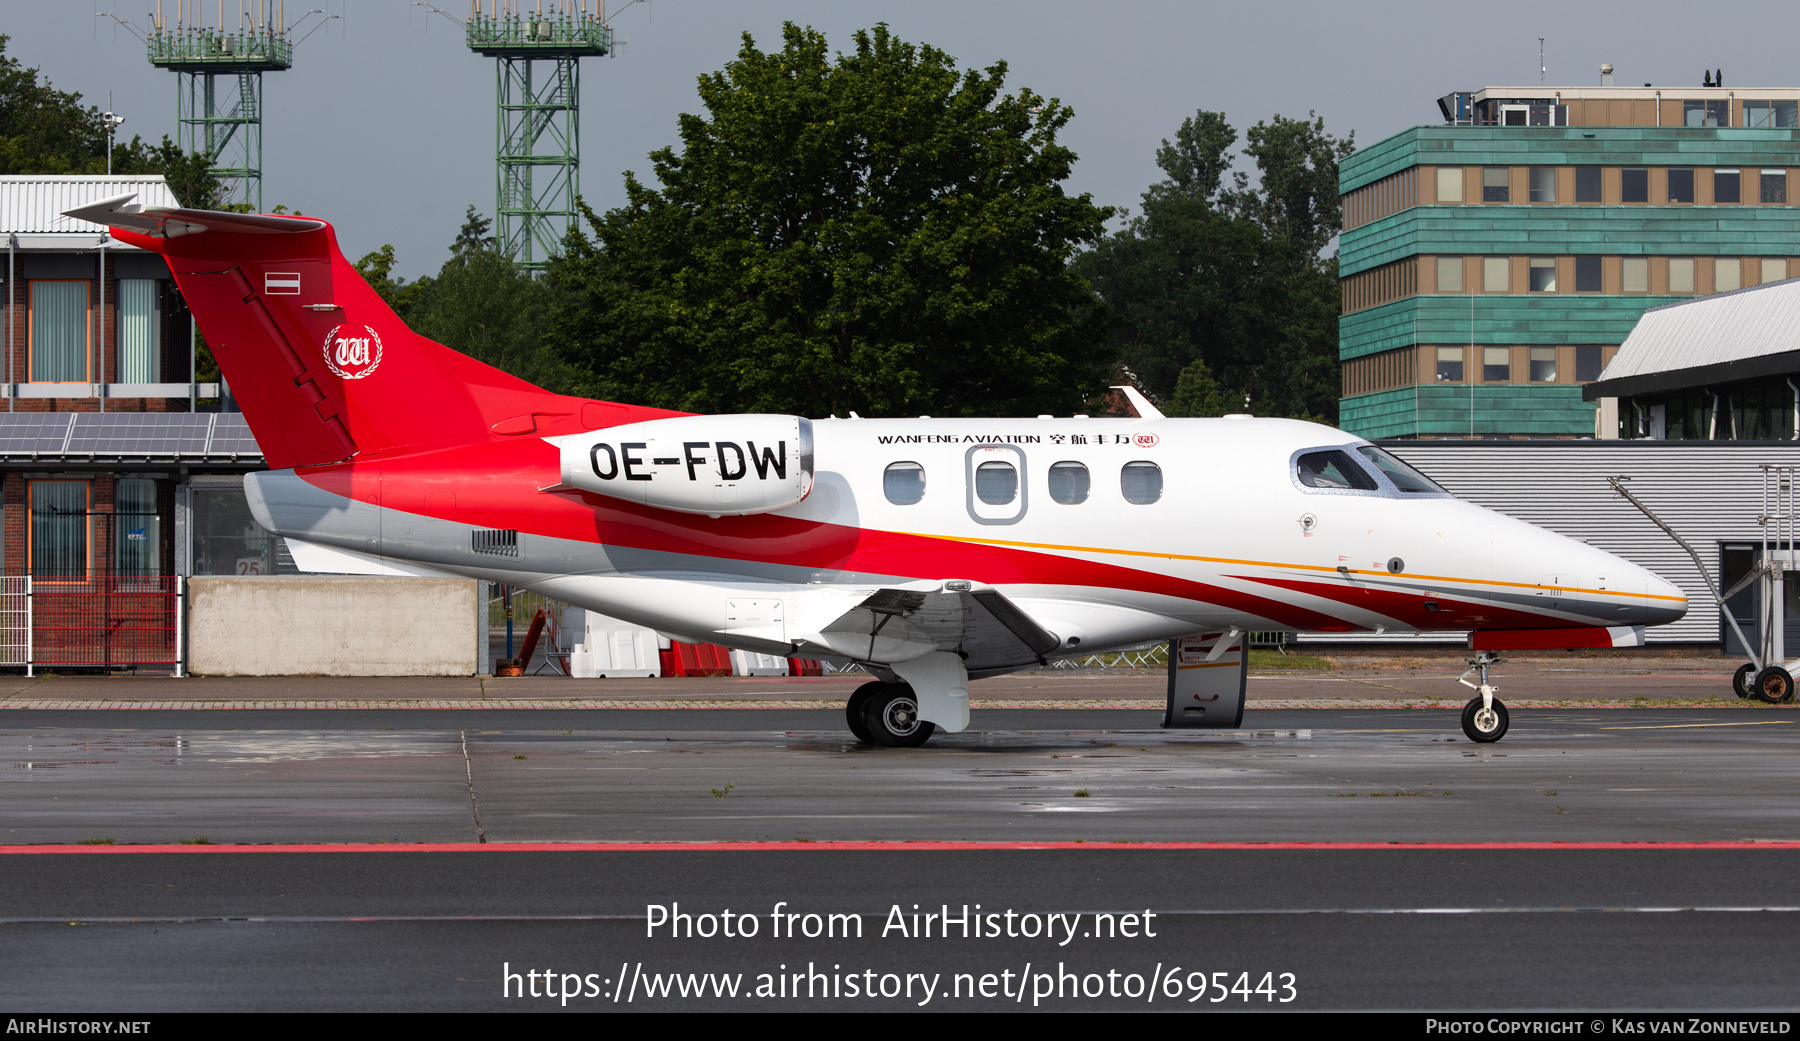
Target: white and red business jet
(932, 552)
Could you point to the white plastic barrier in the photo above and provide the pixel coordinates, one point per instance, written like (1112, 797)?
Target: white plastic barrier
(609, 648)
(749, 663)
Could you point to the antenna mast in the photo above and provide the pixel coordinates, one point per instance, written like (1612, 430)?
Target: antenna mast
(537, 155)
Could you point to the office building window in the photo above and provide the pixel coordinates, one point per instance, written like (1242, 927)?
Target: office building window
(1634, 184)
(1772, 114)
(1587, 184)
(1774, 269)
(1543, 365)
(59, 530)
(1449, 274)
(1449, 184)
(140, 330)
(1496, 185)
(1681, 274)
(1727, 185)
(1681, 184)
(1496, 364)
(1496, 275)
(1587, 274)
(1706, 113)
(1543, 184)
(1543, 274)
(59, 331)
(137, 530)
(1774, 186)
(1449, 364)
(1728, 274)
(1587, 364)
(1634, 275)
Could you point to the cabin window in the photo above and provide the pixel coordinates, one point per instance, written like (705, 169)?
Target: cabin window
(904, 483)
(1069, 483)
(996, 483)
(1141, 483)
(1333, 470)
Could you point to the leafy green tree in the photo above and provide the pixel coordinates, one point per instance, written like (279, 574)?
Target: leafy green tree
(1216, 272)
(47, 131)
(1197, 393)
(874, 231)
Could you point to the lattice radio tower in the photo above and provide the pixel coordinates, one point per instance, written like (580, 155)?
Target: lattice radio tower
(219, 94)
(538, 114)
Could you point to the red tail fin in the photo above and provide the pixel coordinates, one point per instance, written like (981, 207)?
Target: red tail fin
(321, 366)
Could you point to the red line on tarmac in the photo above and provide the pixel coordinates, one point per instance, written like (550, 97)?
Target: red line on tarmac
(860, 846)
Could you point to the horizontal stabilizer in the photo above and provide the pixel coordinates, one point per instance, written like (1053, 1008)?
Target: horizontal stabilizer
(165, 222)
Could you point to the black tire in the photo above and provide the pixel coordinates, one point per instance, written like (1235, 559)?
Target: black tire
(1473, 725)
(1774, 685)
(854, 710)
(1743, 681)
(892, 716)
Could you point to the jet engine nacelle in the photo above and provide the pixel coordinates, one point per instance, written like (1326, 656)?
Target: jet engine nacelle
(715, 465)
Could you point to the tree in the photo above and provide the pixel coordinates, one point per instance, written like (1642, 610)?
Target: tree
(47, 131)
(1197, 393)
(873, 232)
(1221, 275)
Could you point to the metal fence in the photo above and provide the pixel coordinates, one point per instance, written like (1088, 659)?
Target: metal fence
(100, 622)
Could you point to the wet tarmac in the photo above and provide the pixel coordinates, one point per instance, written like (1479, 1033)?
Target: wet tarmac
(1418, 926)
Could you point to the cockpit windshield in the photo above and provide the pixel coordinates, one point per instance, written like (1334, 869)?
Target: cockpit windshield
(1333, 468)
(1404, 477)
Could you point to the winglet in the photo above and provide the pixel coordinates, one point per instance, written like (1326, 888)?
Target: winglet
(1139, 403)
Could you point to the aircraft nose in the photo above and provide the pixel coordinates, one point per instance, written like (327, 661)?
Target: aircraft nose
(1664, 602)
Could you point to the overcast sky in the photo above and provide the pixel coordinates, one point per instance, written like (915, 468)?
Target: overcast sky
(385, 124)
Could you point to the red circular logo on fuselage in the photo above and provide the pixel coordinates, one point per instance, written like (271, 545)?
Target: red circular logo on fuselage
(1145, 440)
(352, 352)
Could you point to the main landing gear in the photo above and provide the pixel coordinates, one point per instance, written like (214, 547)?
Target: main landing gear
(1484, 718)
(887, 714)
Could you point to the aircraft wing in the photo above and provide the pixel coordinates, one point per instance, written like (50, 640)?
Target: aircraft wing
(990, 631)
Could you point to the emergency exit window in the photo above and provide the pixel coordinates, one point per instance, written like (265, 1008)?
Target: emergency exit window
(996, 483)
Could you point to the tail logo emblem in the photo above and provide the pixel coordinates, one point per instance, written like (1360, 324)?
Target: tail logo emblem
(351, 356)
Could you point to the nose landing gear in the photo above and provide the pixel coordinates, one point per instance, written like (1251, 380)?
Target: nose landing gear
(1484, 718)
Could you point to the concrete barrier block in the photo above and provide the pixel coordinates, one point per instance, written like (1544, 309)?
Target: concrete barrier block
(318, 626)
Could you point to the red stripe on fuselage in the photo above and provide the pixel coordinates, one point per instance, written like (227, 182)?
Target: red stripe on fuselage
(495, 485)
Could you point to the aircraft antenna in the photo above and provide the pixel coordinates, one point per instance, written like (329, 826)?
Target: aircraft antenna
(218, 97)
(537, 159)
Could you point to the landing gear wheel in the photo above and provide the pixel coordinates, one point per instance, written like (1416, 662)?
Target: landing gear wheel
(1743, 680)
(1773, 685)
(1484, 725)
(855, 710)
(892, 717)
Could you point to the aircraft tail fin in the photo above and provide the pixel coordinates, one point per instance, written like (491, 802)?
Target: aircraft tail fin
(321, 366)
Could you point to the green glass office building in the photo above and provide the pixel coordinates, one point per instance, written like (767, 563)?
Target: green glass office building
(1491, 265)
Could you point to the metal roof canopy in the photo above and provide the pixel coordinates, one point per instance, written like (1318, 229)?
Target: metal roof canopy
(31, 207)
(1742, 334)
(114, 438)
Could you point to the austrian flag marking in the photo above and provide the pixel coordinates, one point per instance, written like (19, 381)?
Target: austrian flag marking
(351, 356)
(281, 283)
